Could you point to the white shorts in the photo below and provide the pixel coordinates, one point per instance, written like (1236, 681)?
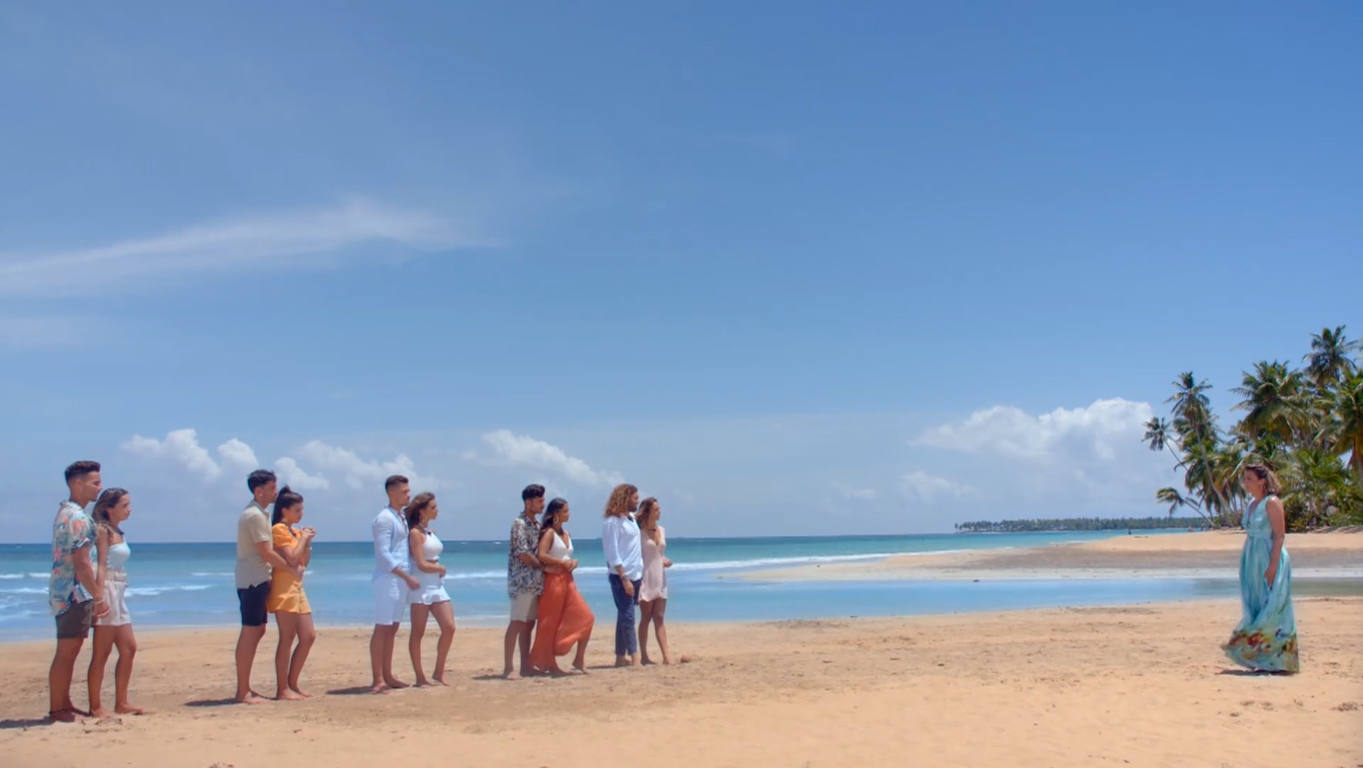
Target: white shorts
(115, 596)
(525, 607)
(390, 599)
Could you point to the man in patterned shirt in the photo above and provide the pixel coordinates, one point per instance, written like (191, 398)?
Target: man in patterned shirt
(524, 578)
(71, 592)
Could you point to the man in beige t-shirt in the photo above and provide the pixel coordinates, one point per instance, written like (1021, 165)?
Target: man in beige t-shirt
(255, 558)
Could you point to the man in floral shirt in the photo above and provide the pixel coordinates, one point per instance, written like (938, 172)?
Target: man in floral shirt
(524, 577)
(71, 588)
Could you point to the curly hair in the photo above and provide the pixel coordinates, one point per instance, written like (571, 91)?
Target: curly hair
(618, 504)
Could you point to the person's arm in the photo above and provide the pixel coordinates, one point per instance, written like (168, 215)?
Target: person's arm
(268, 554)
(383, 534)
(308, 535)
(85, 567)
(610, 545)
(662, 546)
(517, 540)
(289, 548)
(102, 558)
(1277, 519)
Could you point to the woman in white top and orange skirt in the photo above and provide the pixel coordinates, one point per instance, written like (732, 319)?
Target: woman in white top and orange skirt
(564, 618)
(430, 597)
(653, 590)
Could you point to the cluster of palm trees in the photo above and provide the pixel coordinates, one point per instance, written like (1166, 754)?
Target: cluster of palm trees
(1306, 423)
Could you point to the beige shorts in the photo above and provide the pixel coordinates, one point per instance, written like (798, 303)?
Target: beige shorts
(525, 606)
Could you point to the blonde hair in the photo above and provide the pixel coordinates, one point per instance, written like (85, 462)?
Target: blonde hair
(618, 504)
(1271, 484)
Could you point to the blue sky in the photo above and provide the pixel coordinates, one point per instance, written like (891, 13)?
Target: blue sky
(794, 268)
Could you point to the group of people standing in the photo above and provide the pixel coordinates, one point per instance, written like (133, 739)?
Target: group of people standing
(545, 602)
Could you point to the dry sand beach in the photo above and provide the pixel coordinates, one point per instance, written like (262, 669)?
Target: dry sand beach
(1126, 685)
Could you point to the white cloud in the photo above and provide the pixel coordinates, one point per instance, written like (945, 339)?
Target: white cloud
(238, 455)
(858, 494)
(360, 473)
(926, 487)
(278, 240)
(294, 476)
(181, 447)
(526, 451)
(1101, 429)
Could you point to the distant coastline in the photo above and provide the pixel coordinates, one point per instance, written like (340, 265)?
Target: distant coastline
(1069, 524)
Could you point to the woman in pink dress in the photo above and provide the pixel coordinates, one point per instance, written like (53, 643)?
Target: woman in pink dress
(653, 591)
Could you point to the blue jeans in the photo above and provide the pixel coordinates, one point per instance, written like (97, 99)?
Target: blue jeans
(626, 638)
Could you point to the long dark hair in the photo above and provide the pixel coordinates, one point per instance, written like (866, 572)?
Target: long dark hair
(107, 501)
(416, 506)
(286, 499)
(552, 508)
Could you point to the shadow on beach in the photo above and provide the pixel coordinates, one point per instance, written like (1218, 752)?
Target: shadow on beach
(19, 725)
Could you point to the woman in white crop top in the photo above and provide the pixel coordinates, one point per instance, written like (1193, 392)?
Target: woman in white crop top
(564, 618)
(114, 629)
(430, 597)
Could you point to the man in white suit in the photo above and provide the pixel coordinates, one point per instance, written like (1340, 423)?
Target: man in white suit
(392, 582)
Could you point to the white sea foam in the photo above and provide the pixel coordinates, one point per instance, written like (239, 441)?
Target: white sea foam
(153, 591)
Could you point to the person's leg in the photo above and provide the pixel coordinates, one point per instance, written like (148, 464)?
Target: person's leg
(580, 658)
(376, 659)
(645, 614)
(444, 616)
(624, 620)
(287, 623)
(527, 669)
(630, 637)
(126, 643)
(419, 613)
(253, 619)
(307, 635)
(59, 678)
(660, 627)
(99, 658)
(390, 638)
(513, 631)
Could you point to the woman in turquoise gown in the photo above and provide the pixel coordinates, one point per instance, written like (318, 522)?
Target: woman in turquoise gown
(1265, 640)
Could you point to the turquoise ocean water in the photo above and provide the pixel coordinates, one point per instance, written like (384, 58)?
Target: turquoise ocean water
(191, 584)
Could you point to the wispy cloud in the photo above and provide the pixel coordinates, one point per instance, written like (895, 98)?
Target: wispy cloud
(525, 451)
(300, 238)
(926, 487)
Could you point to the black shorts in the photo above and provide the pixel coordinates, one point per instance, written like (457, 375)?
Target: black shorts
(252, 601)
(74, 622)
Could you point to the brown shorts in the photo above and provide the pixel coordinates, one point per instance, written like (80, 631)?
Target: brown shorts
(74, 622)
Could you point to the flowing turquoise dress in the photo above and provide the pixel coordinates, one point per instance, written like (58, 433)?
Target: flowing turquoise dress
(1266, 637)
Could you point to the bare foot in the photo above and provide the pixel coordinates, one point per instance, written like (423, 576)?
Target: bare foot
(580, 667)
(646, 661)
(622, 661)
(65, 716)
(379, 689)
(101, 712)
(251, 698)
(287, 695)
(667, 660)
(439, 679)
(69, 707)
(396, 684)
(128, 709)
(506, 673)
(300, 692)
(421, 682)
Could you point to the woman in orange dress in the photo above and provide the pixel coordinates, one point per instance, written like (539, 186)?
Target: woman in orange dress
(287, 601)
(564, 618)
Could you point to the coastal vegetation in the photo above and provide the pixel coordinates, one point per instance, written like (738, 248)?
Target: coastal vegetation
(1306, 423)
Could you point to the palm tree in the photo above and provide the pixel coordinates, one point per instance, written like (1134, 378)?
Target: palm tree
(1158, 437)
(1274, 401)
(1174, 499)
(1349, 429)
(1329, 361)
(1192, 408)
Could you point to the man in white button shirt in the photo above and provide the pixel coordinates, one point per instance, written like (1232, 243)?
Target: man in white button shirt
(392, 582)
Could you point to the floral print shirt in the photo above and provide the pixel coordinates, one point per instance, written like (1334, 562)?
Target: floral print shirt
(525, 539)
(71, 530)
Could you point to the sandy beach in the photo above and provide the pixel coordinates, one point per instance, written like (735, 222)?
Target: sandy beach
(1142, 685)
(1209, 554)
